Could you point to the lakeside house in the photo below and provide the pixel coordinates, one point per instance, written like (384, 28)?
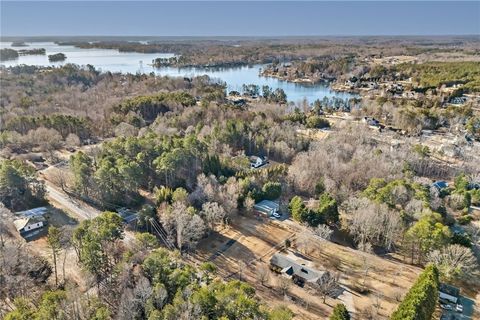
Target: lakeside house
(299, 273)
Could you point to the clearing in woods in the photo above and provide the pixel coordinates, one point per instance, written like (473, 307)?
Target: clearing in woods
(371, 286)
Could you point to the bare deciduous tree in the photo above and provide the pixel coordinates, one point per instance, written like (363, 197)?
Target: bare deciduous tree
(373, 222)
(323, 231)
(283, 284)
(263, 275)
(187, 229)
(326, 285)
(454, 261)
(213, 214)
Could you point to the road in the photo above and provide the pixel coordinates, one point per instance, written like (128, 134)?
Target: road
(79, 209)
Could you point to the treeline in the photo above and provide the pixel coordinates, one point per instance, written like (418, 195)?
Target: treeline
(234, 52)
(19, 187)
(147, 108)
(436, 74)
(57, 57)
(32, 52)
(421, 299)
(324, 68)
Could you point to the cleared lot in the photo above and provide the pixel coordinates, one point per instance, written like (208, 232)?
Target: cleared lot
(371, 286)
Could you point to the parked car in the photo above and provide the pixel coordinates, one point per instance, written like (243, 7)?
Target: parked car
(446, 307)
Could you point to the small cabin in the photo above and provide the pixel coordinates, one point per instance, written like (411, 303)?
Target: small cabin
(25, 225)
(257, 162)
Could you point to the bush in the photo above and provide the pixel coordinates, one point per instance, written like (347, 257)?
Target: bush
(317, 122)
(421, 299)
(272, 190)
(462, 239)
(465, 219)
(340, 312)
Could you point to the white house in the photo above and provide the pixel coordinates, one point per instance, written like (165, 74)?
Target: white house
(24, 225)
(256, 162)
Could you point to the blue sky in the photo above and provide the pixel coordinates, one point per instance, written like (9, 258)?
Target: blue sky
(239, 18)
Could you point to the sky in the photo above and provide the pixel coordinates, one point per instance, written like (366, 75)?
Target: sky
(239, 18)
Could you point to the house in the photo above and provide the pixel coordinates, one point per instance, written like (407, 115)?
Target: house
(257, 162)
(449, 293)
(40, 211)
(30, 220)
(267, 207)
(127, 215)
(440, 185)
(299, 273)
(458, 100)
(27, 224)
(237, 101)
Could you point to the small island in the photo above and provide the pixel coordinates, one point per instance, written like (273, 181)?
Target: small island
(8, 54)
(19, 44)
(57, 57)
(32, 52)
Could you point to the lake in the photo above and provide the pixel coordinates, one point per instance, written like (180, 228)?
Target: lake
(133, 62)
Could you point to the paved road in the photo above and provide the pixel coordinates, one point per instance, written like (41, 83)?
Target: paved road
(78, 208)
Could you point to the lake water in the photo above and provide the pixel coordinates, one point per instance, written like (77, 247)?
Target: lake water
(132, 62)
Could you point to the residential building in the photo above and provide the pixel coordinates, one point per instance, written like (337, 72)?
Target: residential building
(267, 207)
(449, 293)
(299, 273)
(25, 225)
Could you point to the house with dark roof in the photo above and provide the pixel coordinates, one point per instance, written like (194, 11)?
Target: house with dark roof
(440, 185)
(298, 272)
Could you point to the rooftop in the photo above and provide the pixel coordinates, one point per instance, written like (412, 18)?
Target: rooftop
(266, 206)
(40, 211)
(291, 268)
(23, 222)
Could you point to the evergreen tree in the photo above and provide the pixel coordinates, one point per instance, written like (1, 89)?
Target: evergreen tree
(421, 299)
(340, 312)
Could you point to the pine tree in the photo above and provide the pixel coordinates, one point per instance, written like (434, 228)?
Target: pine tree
(421, 299)
(340, 312)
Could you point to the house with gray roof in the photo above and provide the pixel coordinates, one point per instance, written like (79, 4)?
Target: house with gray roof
(298, 272)
(267, 207)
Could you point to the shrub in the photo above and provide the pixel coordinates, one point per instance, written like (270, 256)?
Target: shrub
(317, 122)
(340, 312)
(272, 190)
